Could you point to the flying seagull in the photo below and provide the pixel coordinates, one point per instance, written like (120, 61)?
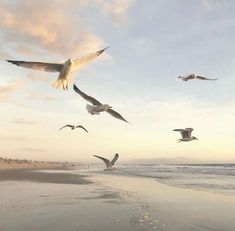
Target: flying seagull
(193, 76)
(109, 164)
(97, 106)
(65, 69)
(73, 127)
(186, 134)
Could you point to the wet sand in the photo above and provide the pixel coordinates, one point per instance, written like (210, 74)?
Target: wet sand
(177, 209)
(62, 201)
(47, 176)
(65, 200)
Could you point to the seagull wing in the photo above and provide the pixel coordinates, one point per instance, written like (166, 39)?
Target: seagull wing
(184, 132)
(86, 97)
(114, 159)
(189, 130)
(203, 78)
(68, 125)
(190, 76)
(49, 67)
(116, 115)
(106, 161)
(80, 126)
(85, 59)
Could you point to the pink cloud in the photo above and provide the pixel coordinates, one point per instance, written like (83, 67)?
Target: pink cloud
(10, 88)
(38, 96)
(53, 27)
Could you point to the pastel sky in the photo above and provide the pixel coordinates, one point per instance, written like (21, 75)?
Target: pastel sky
(151, 43)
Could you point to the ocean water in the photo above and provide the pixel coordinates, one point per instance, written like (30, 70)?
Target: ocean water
(219, 178)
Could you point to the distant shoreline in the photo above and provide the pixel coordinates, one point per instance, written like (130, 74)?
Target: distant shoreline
(29, 164)
(8, 166)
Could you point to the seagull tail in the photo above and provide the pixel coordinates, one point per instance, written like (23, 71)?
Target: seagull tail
(61, 83)
(90, 108)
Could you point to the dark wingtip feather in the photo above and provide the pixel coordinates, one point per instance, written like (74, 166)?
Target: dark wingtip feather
(75, 87)
(101, 51)
(13, 62)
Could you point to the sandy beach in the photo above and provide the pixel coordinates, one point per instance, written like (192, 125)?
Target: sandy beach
(85, 200)
(177, 209)
(63, 200)
(26, 164)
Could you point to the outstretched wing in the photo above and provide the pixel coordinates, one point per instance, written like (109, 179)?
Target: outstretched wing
(106, 161)
(184, 132)
(116, 115)
(80, 126)
(68, 125)
(85, 96)
(189, 130)
(188, 77)
(203, 78)
(114, 159)
(85, 59)
(49, 67)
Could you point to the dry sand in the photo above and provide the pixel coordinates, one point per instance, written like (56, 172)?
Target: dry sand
(39, 165)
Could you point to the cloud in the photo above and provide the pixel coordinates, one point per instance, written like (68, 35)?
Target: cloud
(24, 121)
(117, 10)
(59, 32)
(64, 31)
(38, 96)
(10, 88)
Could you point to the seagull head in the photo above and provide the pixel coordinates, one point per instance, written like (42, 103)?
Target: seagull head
(107, 107)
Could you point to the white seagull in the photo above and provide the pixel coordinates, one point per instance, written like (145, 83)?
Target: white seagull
(186, 134)
(193, 76)
(97, 106)
(109, 164)
(65, 69)
(74, 126)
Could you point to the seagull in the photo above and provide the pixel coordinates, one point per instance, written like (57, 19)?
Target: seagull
(193, 76)
(109, 164)
(186, 134)
(73, 127)
(65, 69)
(97, 106)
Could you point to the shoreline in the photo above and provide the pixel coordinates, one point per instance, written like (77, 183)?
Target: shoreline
(64, 200)
(124, 202)
(177, 209)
